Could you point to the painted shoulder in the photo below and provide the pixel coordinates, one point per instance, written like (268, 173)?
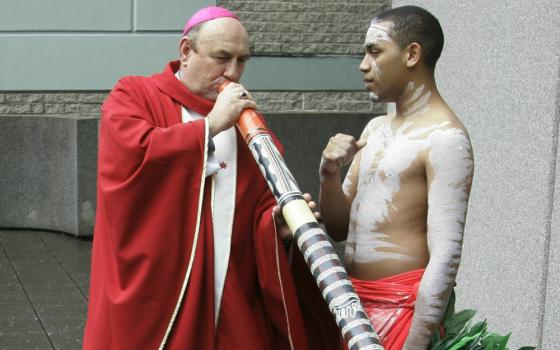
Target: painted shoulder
(374, 124)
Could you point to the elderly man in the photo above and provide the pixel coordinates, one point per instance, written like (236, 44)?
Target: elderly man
(403, 203)
(185, 251)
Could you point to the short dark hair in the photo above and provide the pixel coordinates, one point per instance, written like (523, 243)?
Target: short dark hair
(415, 24)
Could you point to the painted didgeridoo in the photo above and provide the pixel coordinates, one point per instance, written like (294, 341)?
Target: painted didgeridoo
(318, 252)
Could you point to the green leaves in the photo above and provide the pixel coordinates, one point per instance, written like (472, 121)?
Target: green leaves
(460, 335)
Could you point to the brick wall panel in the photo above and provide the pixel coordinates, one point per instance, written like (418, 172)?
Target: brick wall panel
(89, 103)
(292, 28)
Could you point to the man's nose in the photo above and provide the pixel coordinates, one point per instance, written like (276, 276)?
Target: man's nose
(364, 65)
(234, 69)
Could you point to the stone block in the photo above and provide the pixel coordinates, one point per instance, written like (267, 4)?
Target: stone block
(356, 106)
(267, 47)
(24, 97)
(48, 168)
(54, 108)
(37, 108)
(91, 97)
(15, 108)
(63, 97)
(320, 105)
(281, 106)
(80, 108)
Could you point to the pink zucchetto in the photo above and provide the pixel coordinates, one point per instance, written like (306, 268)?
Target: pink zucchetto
(207, 14)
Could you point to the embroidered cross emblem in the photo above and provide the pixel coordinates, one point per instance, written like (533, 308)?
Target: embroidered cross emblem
(223, 165)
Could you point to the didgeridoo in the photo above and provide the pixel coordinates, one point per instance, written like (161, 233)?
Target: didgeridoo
(318, 252)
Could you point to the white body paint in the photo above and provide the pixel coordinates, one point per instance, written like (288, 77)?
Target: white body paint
(417, 103)
(452, 162)
(382, 162)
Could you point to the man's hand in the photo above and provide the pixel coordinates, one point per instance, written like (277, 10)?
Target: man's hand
(339, 152)
(229, 105)
(282, 228)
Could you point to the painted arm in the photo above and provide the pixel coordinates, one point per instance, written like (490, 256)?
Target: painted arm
(449, 171)
(335, 201)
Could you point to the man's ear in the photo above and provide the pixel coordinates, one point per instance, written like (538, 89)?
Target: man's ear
(185, 48)
(413, 54)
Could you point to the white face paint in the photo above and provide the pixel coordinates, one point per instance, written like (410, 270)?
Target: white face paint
(374, 36)
(383, 161)
(376, 33)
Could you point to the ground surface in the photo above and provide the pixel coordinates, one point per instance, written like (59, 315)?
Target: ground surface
(43, 290)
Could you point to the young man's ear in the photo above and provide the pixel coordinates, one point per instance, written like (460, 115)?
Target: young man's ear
(413, 54)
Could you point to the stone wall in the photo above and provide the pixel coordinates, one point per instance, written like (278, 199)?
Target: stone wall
(50, 103)
(88, 103)
(308, 27)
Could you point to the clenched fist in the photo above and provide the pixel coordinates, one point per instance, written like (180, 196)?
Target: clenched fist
(339, 152)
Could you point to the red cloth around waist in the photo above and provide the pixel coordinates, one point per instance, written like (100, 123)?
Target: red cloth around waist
(389, 303)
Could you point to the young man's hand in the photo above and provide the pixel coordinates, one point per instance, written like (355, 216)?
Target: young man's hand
(339, 152)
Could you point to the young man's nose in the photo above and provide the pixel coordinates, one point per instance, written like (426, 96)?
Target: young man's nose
(364, 65)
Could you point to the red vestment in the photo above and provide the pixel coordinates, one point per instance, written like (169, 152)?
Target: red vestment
(152, 195)
(389, 304)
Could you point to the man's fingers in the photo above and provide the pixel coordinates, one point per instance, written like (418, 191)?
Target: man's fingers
(317, 215)
(361, 143)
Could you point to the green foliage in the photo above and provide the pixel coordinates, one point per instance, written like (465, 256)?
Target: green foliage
(461, 335)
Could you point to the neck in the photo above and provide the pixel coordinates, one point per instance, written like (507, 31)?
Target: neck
(417, 97)
(181, 76)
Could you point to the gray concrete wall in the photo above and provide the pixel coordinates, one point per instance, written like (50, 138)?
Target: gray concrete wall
(48, 173)
(298, 45)
(500, 72)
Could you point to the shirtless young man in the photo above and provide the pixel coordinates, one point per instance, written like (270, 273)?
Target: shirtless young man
(403, 204)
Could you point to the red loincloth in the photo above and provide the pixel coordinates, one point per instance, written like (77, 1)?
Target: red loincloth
(389, 304)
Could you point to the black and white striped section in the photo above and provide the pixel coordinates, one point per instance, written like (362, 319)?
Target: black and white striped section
(317, 250)
(333, 282)
(280, 180)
